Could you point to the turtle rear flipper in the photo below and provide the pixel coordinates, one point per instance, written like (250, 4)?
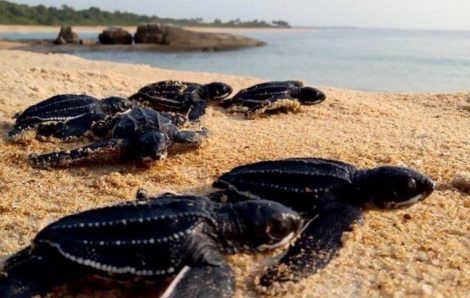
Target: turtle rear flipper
(197, 110)
(20, 128)
(89, 152)
(15, 131)
(27, 274)
(157, 102)
(194, 138)
(317, 245)
(277, 102)
(143, 195)
(226, 103)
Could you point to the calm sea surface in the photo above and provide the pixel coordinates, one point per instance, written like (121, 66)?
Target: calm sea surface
(366, 59)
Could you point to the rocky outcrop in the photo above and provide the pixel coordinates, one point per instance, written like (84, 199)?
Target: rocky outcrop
(115, 35)
(66, 35)
(179, 38)
(150, 33)
(154, 37)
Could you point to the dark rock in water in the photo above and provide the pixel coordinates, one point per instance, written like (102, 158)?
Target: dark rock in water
(174, 34)
(151, 28)
(115, 36)
(150, 33)
(60, 41)
(66, 34)
(150, 37)
(153, 38)
(205, 41)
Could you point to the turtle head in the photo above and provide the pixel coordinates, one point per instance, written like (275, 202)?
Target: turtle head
(218, 90)
(390, 187)
(153, 145)
(310, 96)
(260, 225)
(115, 105)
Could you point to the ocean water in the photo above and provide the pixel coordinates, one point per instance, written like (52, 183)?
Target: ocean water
(364, 59)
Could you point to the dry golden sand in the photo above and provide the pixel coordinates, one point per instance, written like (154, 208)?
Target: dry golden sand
(420, 251)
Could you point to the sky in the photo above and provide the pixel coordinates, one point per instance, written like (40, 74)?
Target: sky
(404, 14)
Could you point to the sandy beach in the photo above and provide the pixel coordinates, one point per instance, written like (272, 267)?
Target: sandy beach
(423, 251)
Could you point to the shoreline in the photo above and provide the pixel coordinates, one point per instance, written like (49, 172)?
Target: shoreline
(98, 29)
(39, 46)
(424, 248)
(45, 46)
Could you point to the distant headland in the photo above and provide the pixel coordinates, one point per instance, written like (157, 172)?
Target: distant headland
(125, 31)
(21, 14)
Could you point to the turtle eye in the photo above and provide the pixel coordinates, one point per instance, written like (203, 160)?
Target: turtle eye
(277, 229)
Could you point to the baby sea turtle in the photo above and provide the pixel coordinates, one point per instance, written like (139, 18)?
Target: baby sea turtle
(275, 96)
(189, 97)
(182, 239)
(329, 194)
(69, 115)
(140, 133)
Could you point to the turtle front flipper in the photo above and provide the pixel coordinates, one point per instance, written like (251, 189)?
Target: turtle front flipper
(111, 147)
(274, 103)
(32, 272)
(197, 110)
(317, 245)
(207, 274)
(194, 138)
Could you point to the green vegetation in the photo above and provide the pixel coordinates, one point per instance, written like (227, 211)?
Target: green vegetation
(12, 13)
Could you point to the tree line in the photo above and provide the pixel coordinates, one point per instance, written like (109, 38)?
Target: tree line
(13, 13)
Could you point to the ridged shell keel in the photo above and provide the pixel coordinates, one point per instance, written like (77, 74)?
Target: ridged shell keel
(264, 93)
(298, 183)
(134, 239)
(60, 107)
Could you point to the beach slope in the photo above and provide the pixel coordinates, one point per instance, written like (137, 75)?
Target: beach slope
(420, 251)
